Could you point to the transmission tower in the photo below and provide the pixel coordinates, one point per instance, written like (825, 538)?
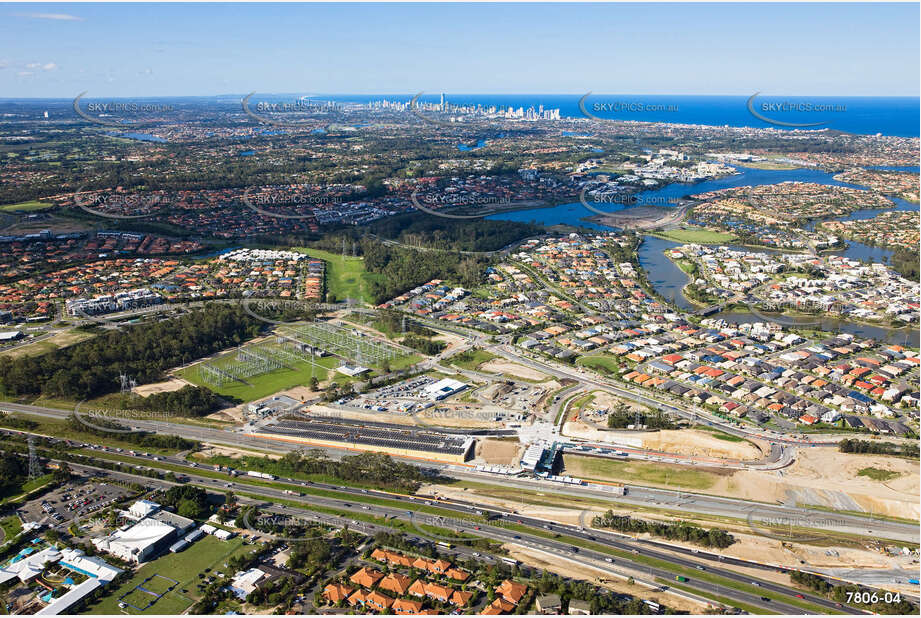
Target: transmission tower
(34, 468)
(125, 382)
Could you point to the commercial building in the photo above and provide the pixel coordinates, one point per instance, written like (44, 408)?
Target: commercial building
(139, 543)
(443, 388)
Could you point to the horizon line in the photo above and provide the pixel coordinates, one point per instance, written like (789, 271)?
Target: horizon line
(436, 93)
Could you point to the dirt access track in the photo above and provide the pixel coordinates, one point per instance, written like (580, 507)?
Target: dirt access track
(687, 442)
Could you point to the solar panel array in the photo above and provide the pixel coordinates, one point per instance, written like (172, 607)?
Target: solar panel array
(370, 435)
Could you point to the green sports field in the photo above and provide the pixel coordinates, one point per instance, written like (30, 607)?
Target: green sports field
(346, 276)
(26, 206)
(696, 235)
(187, 567)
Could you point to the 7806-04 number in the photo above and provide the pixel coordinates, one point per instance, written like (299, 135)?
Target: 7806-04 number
(867, 598)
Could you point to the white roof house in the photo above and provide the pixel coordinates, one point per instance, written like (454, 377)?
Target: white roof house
(244, 582)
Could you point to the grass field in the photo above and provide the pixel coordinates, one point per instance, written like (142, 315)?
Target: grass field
(600, 361)
(700, 236)
(264, 384)
(637, 472)
(476, 358)
(878, 474)
(187, 567)
(687, 266)
(26, 206)
(58, 340)
(768, 165)
(11, 526)
(346, 276)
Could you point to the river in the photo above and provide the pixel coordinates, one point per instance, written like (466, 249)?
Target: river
(668, 280)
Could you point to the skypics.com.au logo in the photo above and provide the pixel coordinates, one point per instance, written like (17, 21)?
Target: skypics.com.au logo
(121, 113)
(790, 110)
(116, 421)
(298, 201)
(482, 206)
(300, 112)
(622, 106)
(119, 205)
(591, 198)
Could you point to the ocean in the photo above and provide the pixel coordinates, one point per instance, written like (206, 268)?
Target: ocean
(897, 116)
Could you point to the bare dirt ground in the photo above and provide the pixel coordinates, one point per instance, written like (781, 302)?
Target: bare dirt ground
(824, 474)
(748, 546)
(453, 341)
(213, 449)
(699, 443)
(545, 561)
(301, 393)
(233, 415)
(641, 217)
(511, 370)
(689, 442)
(499, 451)
(605, 401)
(167, 386)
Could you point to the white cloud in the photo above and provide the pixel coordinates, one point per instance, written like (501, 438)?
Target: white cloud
(52, 16)
(48, 66)
(25, 73)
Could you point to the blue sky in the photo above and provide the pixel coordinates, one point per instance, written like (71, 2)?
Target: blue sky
(59, 50)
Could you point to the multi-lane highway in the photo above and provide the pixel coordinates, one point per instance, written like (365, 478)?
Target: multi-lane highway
(607, 551)
(679, 501)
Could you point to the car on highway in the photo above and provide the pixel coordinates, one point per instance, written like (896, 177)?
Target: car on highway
(799, 596)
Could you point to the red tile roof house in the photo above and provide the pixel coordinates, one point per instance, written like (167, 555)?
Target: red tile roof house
(366, 577)
(334, 593)
(439, 592)
(511, 591)
(497, 607)
(406, 607)
(461, 597)
(379, 601)
(395, 583)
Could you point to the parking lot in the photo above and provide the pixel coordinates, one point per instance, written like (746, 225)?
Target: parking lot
(76, 499)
